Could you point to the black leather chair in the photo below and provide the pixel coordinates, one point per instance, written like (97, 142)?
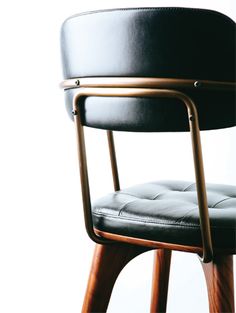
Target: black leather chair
(154, 70)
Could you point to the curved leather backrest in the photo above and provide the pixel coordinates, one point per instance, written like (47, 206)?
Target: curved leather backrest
(152, 42)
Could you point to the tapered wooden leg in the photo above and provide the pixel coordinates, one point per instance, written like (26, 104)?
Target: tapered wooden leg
(160, 281)
(220, 284)
(108, 261)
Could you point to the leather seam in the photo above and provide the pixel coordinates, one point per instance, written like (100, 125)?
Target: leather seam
(159, 194)
(129, 194)
(145, 221)
(138, 197)
(98, 209)
(154, 222)
(186, 189)
(228, 198)
(182, 217)
(123, 207)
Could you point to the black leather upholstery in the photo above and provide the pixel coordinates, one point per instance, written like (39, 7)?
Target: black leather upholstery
(167, 211)
(152, 42)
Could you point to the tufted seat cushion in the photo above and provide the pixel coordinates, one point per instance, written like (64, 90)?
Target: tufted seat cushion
(167, 211)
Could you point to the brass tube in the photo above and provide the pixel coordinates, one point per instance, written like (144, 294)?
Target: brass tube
(146, 82)
(84, 177)
(114, 168)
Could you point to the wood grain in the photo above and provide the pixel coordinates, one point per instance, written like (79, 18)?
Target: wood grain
(148, 243)
(220, 284)
(108, 261)
(160, 280)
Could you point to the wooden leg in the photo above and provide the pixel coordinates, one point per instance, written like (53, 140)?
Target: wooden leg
(108, 261)
(161, 270)
(220, 284)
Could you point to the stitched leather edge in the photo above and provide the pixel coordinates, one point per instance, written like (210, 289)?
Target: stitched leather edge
(154, 222)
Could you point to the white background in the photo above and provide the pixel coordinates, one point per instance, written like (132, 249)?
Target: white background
(45, 254)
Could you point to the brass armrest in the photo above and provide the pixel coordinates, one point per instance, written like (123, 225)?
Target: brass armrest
(144, 87)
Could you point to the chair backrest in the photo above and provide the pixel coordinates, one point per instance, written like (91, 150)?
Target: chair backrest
(178, 43)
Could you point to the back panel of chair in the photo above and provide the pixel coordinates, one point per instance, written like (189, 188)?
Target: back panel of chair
(178, 43)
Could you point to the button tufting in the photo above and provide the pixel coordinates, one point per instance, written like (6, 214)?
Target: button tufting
(167, 211)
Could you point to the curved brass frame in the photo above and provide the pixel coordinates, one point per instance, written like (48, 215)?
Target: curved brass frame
(143, 87)
(146, 82)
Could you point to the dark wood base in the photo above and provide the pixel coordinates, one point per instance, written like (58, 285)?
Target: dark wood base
(109, 260)
(160, 280)
(220, 284)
